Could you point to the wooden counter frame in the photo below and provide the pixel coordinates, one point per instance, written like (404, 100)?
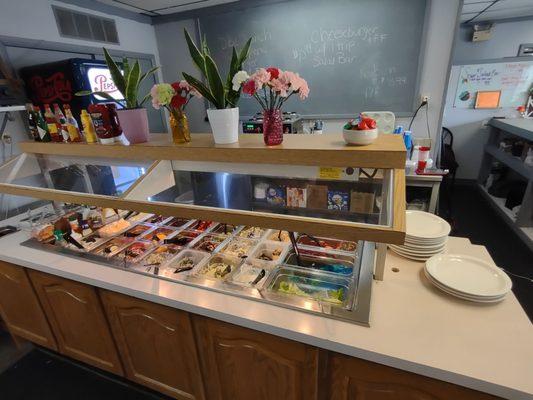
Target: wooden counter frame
(316, 150)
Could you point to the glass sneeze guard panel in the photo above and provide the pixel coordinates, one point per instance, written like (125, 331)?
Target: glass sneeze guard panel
(349, 194)
(108, 177)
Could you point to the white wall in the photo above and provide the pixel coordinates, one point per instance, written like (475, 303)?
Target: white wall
(34, 19)
(467, 125)
(436, 56)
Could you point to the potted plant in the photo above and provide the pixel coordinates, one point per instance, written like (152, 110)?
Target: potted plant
(224, 117)
(271, 87)
(133, 118)
(175, 97)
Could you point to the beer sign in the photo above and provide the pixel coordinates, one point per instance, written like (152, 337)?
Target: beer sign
(101, 81)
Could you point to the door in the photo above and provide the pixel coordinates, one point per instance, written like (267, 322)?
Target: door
(351, 378)
(243, 364)
(20, 307)
(78, 321)
(156, 344)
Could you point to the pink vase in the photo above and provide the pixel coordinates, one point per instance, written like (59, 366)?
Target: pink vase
(134, 123)
(272, 127)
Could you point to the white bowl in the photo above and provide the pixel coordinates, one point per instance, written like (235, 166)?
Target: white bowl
(358, 137)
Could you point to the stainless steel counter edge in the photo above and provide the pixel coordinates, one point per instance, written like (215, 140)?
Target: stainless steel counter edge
(143, 287)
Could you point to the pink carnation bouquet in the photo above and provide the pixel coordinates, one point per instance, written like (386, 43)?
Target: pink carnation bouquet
(271, 87)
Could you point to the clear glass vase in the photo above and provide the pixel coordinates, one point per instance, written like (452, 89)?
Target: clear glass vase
(272, 127)
(180, 127)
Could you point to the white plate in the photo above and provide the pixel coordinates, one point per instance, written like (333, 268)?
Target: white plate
(423, 225)
(415, 258)
(420, 249)
(416, 246)
(468, 275)
(463, 296)
(455, 292)
(419, 253)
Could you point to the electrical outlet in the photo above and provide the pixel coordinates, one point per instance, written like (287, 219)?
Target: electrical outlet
(424, 98)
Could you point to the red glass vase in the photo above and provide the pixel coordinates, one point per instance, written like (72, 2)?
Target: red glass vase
(272, 127)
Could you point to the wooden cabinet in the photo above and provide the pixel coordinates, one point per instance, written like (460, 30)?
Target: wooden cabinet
(243, 364)
(351, 378)
(20, 307)
(78, 321)
(156, 344)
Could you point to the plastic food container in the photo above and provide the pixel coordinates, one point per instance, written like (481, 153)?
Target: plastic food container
(185, 261)
(183, 238)
(111, 247)
(309, 289)
(218, 267)
(139, 217)
(202, 225)
(134, 252)
(270, 253)
(276, 235)
(92, 241)
(157, 219)
(159, 234)
(159, 256)
(177, 222)
(325, 243)
(250, 274)
(337, 255)
(209, 243)
(137, 230)
(252, 232)
(323, 264)
(238, 247)
(226, 229)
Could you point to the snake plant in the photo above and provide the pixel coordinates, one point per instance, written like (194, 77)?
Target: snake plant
(219, 93)
(127, 83)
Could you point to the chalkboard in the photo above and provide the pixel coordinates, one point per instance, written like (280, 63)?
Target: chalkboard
(357, 55)
(513, 79)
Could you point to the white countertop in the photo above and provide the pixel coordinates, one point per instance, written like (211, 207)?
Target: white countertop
(413, 326)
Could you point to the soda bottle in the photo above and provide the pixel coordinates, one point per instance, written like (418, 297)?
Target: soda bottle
(54, 128)
(42, 127)
(88, 127)
(32, 122)
(72, 125)
(62, 120)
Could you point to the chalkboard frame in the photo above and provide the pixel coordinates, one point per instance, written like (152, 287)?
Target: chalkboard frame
(229, 7)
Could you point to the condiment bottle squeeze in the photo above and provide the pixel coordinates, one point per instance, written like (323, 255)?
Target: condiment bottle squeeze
(88, 127)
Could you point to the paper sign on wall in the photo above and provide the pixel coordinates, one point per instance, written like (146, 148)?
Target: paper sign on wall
(513, 79)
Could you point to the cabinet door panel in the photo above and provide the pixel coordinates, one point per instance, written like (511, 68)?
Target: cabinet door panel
(78, 321)
(244, 364)
(355, 379)
(20, 307)
(156, 344)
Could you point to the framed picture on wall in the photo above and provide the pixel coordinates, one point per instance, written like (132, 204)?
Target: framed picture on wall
(488, 99)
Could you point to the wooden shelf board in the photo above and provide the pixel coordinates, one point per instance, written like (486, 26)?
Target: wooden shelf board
(327, 150)
(499, 204)
(512, 162)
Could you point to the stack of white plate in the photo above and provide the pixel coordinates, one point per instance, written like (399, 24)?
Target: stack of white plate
(468, 278)
(426, 235)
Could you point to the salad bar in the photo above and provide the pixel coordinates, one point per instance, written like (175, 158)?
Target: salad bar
(330, 277)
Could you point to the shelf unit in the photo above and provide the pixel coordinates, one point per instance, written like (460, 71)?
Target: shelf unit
(522, 223)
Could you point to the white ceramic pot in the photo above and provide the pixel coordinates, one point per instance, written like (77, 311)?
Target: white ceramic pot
(134, 124)
(358, 137)
(225, 125)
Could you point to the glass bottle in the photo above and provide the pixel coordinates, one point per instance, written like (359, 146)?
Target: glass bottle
(62, 120)
(72, 125)
(88, 127)
(180, 127)
(32, 123)
(53, 126)
(42, 127)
